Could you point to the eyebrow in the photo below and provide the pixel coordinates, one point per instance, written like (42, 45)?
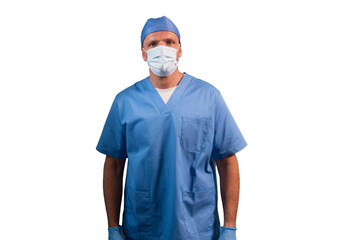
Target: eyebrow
(170, 39)
(157, 41)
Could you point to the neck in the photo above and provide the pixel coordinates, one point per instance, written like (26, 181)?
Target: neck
(166, 82)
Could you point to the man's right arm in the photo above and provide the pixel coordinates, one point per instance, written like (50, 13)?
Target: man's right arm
(113, 187)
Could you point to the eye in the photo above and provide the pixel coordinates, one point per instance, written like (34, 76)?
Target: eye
(152, 44)
(169, 42)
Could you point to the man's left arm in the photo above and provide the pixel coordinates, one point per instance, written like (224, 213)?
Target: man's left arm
(228, 169)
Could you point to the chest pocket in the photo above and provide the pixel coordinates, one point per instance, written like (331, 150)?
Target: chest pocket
(193, 133)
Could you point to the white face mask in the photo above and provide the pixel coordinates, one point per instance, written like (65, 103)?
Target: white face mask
(162, 60)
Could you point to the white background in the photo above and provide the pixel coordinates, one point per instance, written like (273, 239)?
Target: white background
(288, 70)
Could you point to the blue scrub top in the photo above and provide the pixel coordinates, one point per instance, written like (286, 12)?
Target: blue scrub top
(171, 189)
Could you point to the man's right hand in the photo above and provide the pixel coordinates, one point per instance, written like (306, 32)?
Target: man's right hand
(116, 233)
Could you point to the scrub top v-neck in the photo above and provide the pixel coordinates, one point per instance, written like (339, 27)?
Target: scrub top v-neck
(170, 190)
(176, 95)
(165, 93)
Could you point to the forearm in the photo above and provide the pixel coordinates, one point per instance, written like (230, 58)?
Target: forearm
(230, 188)
(112, 186)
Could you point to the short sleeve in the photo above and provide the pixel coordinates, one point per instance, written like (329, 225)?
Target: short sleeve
(228, 139)
(113, 137)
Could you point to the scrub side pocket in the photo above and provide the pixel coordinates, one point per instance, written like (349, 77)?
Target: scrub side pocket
(137, 209)
(199, 210)
(193, 133)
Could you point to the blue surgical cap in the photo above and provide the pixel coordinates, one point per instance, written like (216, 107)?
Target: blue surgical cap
(158, 24)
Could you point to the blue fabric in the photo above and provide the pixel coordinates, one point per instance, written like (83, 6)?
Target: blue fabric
(170, 190)
(158, 24)
(227, 233)
(115, 233)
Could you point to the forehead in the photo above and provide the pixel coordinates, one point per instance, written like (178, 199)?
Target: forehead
(161, 35)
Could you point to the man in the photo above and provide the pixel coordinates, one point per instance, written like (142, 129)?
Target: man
(173, 128)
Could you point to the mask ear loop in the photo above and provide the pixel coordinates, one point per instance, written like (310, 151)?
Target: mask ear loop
(178, 47)
(143, 49)
(177, 53)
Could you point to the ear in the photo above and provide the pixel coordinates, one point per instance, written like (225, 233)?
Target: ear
(144, 54)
